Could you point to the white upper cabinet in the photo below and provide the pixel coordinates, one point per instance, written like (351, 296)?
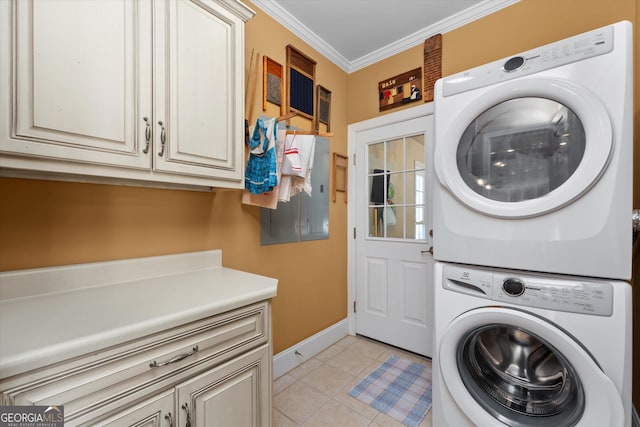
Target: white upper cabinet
(138, 90)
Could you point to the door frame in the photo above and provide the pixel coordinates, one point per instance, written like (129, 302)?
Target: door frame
(353, 130)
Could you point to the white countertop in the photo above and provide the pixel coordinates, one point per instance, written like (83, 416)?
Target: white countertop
(85, 312)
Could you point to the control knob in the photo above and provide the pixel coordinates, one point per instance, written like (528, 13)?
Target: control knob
(513, 287)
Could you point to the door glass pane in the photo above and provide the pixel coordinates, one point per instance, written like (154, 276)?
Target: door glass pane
(396, 191)
(396, 180)
(395, 155)
(521, 149)
(376, 156)
(393, 218)
(415, 151)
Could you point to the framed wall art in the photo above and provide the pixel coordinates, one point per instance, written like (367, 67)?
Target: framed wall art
(400, 90)
(323, 107)
(301, 72)
(272, 84)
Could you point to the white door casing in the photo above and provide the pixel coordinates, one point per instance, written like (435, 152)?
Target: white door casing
(390, 279)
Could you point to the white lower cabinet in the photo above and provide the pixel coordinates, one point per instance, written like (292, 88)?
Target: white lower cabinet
(234, 394)
(155, 412)
(213, 372)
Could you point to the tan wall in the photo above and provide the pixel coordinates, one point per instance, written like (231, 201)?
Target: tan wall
(54, 223)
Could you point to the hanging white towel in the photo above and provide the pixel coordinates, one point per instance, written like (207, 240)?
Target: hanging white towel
(297, 165)
(298, 151)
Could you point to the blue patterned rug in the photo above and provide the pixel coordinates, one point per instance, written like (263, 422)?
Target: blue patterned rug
(399, 388)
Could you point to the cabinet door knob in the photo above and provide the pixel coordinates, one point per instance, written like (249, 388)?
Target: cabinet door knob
(169, 418)
(163, 138)
(147, 134)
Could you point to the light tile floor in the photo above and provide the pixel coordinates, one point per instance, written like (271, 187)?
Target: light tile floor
(315, 394)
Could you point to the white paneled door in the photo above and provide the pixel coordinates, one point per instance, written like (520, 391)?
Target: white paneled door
(393, 264)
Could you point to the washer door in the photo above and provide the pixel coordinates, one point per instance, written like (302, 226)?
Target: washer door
(525, 147)
(507, 365)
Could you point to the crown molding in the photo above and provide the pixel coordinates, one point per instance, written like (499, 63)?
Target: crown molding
(464, 17)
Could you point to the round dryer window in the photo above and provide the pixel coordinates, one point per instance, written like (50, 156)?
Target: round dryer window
(525, 148)
(521, 149)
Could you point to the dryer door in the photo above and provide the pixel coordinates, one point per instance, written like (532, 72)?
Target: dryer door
(525, 147)
(509, 365)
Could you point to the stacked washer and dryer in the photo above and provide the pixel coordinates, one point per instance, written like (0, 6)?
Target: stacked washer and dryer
(533, 237)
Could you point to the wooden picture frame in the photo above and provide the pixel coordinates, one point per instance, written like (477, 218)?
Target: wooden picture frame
(400, 90)
(323, 107)
(301, 75)
(272, 84)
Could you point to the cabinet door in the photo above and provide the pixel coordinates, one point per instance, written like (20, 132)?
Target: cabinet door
(155, 412)
(199, 50)
(237, 393)
(81, 76)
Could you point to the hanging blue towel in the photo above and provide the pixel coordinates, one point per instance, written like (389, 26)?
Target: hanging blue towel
(261, 174)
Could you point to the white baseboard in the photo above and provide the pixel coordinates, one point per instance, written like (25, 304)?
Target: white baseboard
(297, 354)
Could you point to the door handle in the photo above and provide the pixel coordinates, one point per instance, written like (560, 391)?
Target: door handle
(147, 134)
(163, 138)
(430, 251)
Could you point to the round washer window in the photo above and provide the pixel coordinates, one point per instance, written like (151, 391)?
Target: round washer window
(519, 378)
(521, 149)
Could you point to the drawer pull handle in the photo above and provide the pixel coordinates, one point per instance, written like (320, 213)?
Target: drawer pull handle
(169, 418)
(175, 359)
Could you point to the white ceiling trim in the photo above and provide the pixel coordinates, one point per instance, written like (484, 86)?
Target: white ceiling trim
(471, 14)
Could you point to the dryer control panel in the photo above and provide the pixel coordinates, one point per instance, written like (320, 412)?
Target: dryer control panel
(556, 293)
(576, 48)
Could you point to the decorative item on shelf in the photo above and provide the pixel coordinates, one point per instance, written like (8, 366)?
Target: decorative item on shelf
(340, 174)
(432, 64)
(323, 107)
(301, 71)
(400, 90)
(272, 83)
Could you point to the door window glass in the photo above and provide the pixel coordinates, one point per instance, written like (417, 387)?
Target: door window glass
(396, 188)
(521, 149)
(519, 378)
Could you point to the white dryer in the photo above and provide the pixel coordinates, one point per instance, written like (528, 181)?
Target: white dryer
(530, 350)
(533, 159)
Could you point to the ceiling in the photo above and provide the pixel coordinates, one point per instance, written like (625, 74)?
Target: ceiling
(356, 33)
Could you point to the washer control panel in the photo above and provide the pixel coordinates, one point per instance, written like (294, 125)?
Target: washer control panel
(576, 295)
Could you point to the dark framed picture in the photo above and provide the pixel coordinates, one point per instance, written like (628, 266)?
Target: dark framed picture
(301, 71)
(323, 107)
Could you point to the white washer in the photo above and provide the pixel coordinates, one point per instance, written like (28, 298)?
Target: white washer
(530, 350)
(533, 158)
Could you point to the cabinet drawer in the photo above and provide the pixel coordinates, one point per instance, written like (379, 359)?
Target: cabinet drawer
(97, 384)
